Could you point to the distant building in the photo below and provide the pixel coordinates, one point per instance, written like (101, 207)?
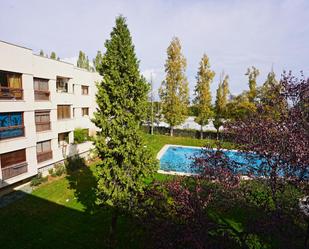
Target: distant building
(42, 101)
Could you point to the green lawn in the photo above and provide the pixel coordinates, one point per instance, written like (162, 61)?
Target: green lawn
(156, 142)
(63, 213)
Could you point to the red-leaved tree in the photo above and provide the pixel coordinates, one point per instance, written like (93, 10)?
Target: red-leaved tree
(281, 143)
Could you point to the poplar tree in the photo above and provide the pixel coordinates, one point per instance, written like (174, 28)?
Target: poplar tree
(121, 99)
(53, 56)
(252, 74)
(202, 100)
(221, 102)
(97, 61)
(83, 61)
(174, 91)
(41, 52)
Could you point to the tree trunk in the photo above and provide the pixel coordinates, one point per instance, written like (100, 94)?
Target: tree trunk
(201, 133)
(113, 229)
(172, 131)
(217, 134)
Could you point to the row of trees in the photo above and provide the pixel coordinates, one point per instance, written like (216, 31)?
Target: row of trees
(82, 61)
(52, 55)
(174, 93)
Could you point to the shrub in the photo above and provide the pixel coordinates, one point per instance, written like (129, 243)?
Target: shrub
(37, 180)
(81, 135)
(51, 171)
(59, 169)
(187, 133)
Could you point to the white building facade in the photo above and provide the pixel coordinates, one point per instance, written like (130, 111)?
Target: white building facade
(42, 102)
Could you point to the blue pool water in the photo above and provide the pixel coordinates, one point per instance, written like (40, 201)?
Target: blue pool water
(180, 159)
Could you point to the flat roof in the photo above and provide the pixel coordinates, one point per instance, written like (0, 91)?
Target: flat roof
(15, 45)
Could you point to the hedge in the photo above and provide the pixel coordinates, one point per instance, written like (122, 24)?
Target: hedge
(182, 132)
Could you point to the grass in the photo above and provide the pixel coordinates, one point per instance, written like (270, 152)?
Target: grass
(63, 213)
(156, 142)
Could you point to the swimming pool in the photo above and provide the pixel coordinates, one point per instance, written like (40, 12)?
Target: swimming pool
(179, 159)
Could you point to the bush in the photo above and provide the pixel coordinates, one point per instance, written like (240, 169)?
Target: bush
(59, 169)
(186, 133)
(81, 135)
(37, 180)
(51, 171)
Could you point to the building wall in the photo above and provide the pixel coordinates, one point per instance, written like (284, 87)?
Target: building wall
(22, 60)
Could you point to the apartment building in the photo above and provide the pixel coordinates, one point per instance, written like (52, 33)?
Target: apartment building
(42, 101)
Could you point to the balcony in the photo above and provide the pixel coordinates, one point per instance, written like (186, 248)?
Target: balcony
(10, 132)
(41, 95)
(44, 156)
(14, 170)
(11, 93)
(43, 126)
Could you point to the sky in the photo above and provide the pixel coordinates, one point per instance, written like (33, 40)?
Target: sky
(235, 34)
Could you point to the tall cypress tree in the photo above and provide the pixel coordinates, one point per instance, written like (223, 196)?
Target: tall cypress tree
(122, 101)
(203, 94)
(174, 91)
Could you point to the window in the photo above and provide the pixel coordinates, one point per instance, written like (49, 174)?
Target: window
(43, 151)
(13, 163)
(85, 90)
(11, 125)
(62, 84)
(10, 85)
(63, 138)
(63, 111)
(85, 111)
(42, 120)
(41, 91)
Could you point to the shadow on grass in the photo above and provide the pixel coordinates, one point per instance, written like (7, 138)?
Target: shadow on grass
(82, 180)
(33, 222)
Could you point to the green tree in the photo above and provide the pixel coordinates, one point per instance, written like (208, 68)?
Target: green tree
(174, 91)
(41, 52)
(122, 99)
(240, 107)
(270, 97)
(83, 61)
(53, 56)
(252, 74)
(202, 100)
(97, 61)
(221, 102)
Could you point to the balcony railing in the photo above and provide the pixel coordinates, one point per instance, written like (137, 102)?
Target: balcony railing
(43, 126)
(44, 156)
(14, 170)
(10, 132)
(11, 93)
(41, 95)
